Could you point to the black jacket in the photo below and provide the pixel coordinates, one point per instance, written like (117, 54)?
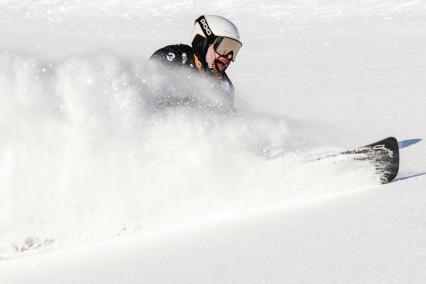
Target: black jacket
(183, 55)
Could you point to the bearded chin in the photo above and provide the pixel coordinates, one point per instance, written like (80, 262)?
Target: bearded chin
(221, 67)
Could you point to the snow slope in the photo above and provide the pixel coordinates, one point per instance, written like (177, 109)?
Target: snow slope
(96, 187)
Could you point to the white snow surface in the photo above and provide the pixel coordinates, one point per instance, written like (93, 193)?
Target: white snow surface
(98, 187)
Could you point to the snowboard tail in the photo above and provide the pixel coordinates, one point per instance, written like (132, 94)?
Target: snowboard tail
(383, 154)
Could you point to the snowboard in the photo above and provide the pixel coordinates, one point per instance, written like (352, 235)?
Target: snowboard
(383, 154)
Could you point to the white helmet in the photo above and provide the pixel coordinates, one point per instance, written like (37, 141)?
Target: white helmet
(216, 30)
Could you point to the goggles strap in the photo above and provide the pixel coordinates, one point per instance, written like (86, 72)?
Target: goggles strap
(206, 29)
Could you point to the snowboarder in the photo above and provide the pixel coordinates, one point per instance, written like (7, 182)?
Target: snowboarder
(215, 43)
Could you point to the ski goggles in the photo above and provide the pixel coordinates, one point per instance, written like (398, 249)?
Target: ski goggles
(225, 46)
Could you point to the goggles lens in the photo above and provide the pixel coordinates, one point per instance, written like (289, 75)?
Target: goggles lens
(224, 46)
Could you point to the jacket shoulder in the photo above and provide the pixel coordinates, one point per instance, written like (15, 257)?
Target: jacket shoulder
(174, 54)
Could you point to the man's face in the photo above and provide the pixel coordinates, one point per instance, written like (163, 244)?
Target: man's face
(222, 62)
(216, 61)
